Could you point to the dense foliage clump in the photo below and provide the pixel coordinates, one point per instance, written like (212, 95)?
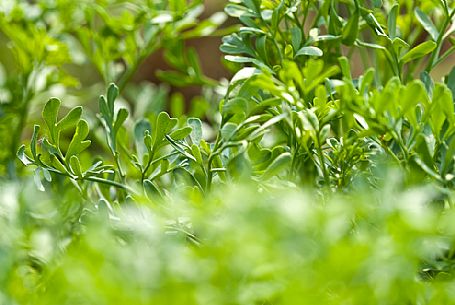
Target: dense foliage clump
(321, 172)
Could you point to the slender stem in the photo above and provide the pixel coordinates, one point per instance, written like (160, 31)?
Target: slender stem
(108, 182)
(94, 179)
(149, 163)
(321, 160)
(17, 133)
(435, 54)
(210, 160)
(444, 56)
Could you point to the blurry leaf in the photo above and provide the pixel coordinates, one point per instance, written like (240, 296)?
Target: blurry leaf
(399, 44)
(244, 73)
(418, 51)
(345, 67)
(75, 166)
(279, 164)
(309, 51)
(324, 134)
(177, 104)
(425, 77)
(34, 140)
(37, 179)
(351, 29)
(392, 20)
(377, 3)
(196, 132)
(450, 80)
(427, 24)
(140, 129)
(197, 153)
(228, 130)
(371, 20)
(309, 120)
(122, 115)
(23, 156)
(296, 36)
(236, 105)
(181, 133)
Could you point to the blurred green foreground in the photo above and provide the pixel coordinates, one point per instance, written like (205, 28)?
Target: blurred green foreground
(237, 246)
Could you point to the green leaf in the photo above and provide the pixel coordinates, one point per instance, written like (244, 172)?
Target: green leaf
(179, 148)
(279, 164)
(148, 140)
(450, 81)
(367, 80)
(351, 29)
(296, 37)
(36, 129)
(236, 105)
(49, 147)
(345, 67)
(105, 113)
(49, 114)
(112, 94)
(181, 133)
(78, 142)
(239, 59)
(122, 115)
(309, 51)
(399, 44)
(371, 20)
(427, 24)
(335, 25)
(197, 153)
(244, 73)
(228, 130)
(23, 156)
(75, 166)
(140, 129)
(269, 123)
(196, 132)
(37, 179)
(418, 51)
(46, 174)
(151, 189)
(235, 10)
(377, 3)
(324, 134)
(164, 166)
(309, 120)
(410, 96)
(425, 77)
(392, 20)
(71, 119)
(164, 124)
(443, 97)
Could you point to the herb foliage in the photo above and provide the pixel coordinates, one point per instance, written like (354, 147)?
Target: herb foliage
(323, 173)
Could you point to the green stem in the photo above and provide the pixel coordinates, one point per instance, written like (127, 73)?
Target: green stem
(435, 54)
(94, 179)
(210, 160)
(321, 160)
(17, 133)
